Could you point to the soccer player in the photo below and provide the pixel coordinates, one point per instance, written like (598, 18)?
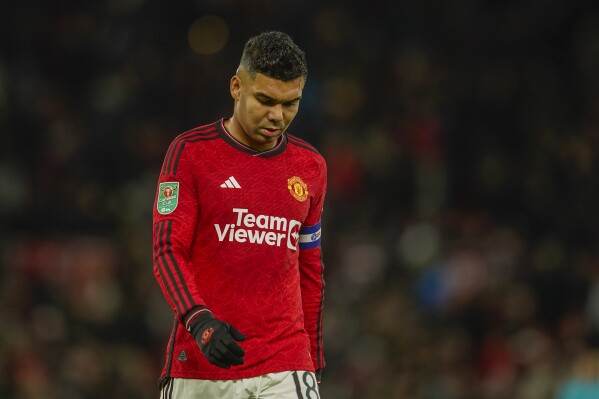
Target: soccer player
(237, 241)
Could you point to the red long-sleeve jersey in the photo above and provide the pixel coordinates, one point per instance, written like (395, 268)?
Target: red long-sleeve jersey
(238, 231)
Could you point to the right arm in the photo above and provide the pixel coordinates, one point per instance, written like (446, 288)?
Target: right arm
(175, 220)
(174, 229)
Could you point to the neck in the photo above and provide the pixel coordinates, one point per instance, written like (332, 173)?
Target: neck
(236, 130)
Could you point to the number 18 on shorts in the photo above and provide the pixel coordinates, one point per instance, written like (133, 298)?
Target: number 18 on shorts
(283, 385)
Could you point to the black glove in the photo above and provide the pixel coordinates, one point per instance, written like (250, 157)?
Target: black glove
(216, 340)
(318, 374)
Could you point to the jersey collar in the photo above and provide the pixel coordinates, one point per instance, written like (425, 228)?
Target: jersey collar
(225, 135)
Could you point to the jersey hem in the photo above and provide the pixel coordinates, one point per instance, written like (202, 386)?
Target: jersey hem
(233, 375)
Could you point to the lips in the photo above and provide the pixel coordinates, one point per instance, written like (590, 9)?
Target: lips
(271, 132)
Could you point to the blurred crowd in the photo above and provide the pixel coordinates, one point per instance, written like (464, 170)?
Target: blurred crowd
(461, 228)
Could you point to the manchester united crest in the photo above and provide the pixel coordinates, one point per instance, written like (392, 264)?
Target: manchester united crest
(168, 197)
(297, 188)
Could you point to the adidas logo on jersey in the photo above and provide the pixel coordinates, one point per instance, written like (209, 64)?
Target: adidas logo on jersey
(260, 229)
(230, 183)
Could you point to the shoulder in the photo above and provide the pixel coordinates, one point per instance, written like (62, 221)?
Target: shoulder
(197, 134)
(181, 143)
(303, 146)
(309, 157)
(296, 141)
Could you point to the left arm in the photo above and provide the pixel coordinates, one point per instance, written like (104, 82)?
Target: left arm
(311, 277)
(312, 286)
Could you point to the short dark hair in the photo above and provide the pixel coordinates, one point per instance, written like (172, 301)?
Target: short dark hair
(275, 55)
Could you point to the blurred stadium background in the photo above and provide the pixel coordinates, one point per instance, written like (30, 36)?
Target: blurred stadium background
(461, 227)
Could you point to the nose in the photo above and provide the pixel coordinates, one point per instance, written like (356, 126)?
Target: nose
(275, 113)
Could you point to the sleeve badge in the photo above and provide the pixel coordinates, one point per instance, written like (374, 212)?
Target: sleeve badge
(168, 197)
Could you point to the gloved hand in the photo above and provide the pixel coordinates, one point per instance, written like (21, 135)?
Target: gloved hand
(318, 374)
(217, 340)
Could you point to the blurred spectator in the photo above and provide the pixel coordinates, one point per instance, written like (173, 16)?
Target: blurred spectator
(460, 231)
(582, 381)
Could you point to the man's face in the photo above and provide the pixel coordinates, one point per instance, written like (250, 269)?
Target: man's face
(264, 108)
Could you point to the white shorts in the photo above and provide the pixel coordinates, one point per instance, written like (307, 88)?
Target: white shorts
(284, 385)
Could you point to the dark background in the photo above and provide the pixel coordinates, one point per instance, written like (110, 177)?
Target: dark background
(461, 226)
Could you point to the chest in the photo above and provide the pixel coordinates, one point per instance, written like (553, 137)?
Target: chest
(242, 189)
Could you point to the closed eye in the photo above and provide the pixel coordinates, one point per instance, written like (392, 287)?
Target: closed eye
(291, 103)
(269, 101)
(265, 100)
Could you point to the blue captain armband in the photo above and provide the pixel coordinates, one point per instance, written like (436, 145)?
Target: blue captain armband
(309, 236)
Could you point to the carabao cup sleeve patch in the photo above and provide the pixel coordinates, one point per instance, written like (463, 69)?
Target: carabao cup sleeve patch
(310, 236)
(168, 197)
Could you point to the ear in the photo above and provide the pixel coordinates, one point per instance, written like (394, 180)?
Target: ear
(235, 87)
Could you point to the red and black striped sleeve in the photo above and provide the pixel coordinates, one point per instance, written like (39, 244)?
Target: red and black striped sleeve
(174, 221)
(312, 272)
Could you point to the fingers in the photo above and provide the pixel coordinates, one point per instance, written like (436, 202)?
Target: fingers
(224, 351)
(225, 355)
(237, 336)
(235, 349)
